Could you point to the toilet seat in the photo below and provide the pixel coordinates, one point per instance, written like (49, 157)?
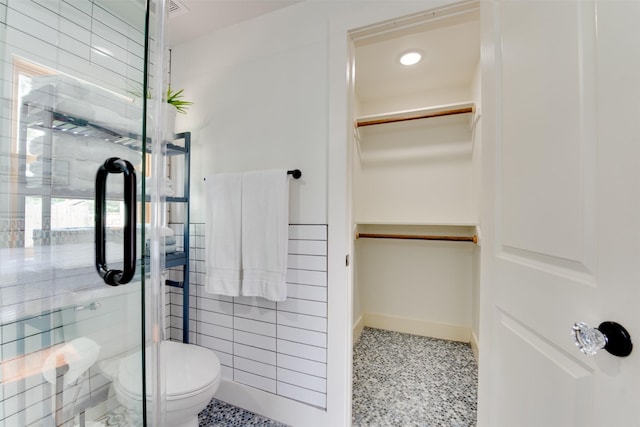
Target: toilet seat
(189, 370)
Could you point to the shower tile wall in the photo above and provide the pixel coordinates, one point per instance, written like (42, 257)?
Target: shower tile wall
(56, 35)
(280, 347)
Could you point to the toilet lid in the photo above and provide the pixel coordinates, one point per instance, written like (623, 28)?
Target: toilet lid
(189, 369)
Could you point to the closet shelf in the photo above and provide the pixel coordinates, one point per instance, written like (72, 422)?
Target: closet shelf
(416, 114)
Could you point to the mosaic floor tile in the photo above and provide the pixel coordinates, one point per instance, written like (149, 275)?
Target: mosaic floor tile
(120, 417)
(398, 380)
(408, 380)
(219, 413)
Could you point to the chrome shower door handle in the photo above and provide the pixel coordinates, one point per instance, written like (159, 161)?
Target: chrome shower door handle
(610, 336)
(116, 277)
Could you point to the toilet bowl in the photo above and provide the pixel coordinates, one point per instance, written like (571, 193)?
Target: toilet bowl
(191, 373)
(192, 376)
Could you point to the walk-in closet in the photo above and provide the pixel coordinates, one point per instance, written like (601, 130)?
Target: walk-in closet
(416, 191)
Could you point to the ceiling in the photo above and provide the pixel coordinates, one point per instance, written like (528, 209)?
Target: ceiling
(450, 48)
(205, 16)
(450, 45)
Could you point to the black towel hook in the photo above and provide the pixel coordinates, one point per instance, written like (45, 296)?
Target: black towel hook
(296, 173)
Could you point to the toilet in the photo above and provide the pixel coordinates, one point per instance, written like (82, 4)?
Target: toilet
(192, 376)
(192, 373)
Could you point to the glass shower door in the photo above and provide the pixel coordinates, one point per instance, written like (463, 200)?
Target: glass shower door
(72, 212)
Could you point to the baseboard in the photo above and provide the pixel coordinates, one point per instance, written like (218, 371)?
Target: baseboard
(269, 405)
(418, 327)
(357, 329)
(474, 345)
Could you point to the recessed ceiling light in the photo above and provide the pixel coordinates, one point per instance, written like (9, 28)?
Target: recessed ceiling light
(411, 58)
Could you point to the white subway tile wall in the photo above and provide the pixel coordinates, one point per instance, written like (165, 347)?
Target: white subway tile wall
(279, 347)
(57, 35)
(67, 35)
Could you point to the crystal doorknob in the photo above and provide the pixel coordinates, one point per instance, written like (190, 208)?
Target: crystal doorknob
(611, 336)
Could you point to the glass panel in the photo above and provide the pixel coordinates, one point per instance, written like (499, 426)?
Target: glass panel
(72, 75)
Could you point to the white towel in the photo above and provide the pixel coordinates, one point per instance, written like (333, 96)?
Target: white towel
(166, 232)
(62, 85)
(75, 108)
(222, 233)
(265, 227)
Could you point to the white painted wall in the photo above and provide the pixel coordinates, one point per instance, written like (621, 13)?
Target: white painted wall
(260, 102)
(439, 96)
(422, 287)
(261, 91)
(417, 172)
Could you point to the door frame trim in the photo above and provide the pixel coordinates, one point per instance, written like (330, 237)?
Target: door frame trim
(343, 30)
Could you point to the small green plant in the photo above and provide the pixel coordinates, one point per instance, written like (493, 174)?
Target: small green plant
(175, 99)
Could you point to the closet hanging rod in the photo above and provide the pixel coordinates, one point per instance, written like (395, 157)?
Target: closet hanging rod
(425, 115)
(295, 173)
(473, 238)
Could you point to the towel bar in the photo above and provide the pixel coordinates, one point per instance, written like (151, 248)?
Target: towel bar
(295, 173)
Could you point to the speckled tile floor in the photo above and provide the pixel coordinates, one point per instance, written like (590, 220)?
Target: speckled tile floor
(407, 380)
(216, 414)
(398, 380)
(219, 413)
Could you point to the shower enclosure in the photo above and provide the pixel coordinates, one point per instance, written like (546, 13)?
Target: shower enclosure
(80, 264)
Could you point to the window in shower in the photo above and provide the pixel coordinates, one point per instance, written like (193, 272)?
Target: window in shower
(61, 213)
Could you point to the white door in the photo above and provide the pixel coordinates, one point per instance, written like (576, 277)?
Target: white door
(561, 223)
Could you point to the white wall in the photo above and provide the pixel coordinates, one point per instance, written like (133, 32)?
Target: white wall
(261, 91)
(439, 96)
(260, 101)
(408, 175)
(419, 171)
(415, 172)
(420, 287)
